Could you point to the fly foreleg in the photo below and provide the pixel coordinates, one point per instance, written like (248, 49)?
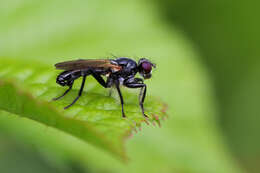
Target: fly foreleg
(138, 83)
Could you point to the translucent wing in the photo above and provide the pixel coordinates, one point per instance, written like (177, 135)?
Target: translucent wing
(85, 64)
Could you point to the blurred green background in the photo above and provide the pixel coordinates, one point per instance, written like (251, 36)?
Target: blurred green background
(208, 73)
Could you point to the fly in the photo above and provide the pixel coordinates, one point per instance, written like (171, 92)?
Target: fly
(119, 71)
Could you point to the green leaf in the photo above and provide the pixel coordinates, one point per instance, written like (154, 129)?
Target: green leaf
(27, 89)
(51, 31)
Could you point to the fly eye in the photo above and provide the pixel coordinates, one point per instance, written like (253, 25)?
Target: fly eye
(147, 67)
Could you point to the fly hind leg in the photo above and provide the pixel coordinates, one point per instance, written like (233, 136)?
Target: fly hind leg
(80, 92)
(84, 74)
(70, 87)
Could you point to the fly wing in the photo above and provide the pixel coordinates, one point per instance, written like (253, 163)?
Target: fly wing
(85, 64)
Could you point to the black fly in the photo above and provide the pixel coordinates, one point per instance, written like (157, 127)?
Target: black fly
(120, 71)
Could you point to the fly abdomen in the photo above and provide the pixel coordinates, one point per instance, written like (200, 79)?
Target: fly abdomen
(67, 77)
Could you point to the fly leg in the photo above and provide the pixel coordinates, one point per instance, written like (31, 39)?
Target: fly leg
(121, 98)
(80, 92)
(102, 82)
(108, 84)
(138, 83)
(67, 78)
(70, 87)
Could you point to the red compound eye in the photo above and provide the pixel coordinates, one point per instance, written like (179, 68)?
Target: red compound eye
(147, 67)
